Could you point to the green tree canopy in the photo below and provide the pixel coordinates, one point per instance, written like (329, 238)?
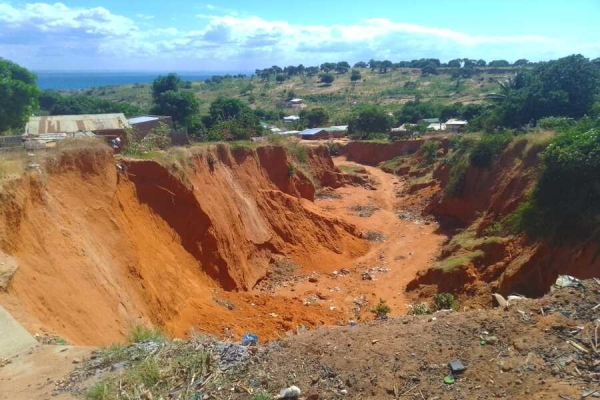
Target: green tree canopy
(499, 63)
(18, 95)
(181, 106)
(370, 119)
(55, 103)
(355, 76)
(315, 118)
(163, 84)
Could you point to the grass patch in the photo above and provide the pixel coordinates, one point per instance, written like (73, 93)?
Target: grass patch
(141, 333)
(451, 263)
(352, 169)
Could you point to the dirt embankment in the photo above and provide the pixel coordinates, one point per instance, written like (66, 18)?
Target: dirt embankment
(101, 250)
(478, 261)
(373, 153)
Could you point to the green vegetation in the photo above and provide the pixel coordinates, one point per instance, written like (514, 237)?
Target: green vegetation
(18, 95)
(381, 310)
(445, 301)
(488, 148)
(420, 309)
(262, 396)
(55, 103)
(141, 333)
(369, 119)
(352, 169)
(451, 263)
(315, 117)
(428, 152)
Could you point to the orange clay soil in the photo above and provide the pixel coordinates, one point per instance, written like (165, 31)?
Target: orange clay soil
(409, 246)
(100, 251)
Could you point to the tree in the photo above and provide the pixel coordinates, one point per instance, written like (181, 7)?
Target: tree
(280, 78)
(164, 84)
(481, 63)
(315, 117)
(342, 67)
(312, 71)
(327, 79)
(454, 63)
(384, 66)
(370, 119)
(521, 62)
(328, 66)
(18, 95)
(499, 63)
(429, 69)
(181, 106)
(356, 76)
(360, 64)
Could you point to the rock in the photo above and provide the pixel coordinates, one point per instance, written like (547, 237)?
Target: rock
(343, 392)
(313, 279)
(231, 355)
(119, 366)
(147, 395)
(76, 361)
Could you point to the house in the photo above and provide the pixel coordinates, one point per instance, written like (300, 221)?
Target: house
(455, 125)
(428, 121)
(337, 131)
(271, 128)
(291, 118)
(403, 131)
(289, 133)
(296, 103)
(436, 126)
(314, 134)
(46, 130)
(143, 125)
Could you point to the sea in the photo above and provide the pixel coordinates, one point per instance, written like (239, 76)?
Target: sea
(60, 80)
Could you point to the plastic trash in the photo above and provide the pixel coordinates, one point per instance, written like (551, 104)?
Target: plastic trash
(293, 392)
(449, 380)
(457, 367)
(564, 281)
(250, 339)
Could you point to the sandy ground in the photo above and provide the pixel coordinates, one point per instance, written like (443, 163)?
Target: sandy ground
(409, 247)
(36, 373)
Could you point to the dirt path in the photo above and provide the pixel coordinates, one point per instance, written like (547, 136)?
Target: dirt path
(409, 246)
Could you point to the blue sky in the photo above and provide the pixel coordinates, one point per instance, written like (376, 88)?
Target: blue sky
(236, 35)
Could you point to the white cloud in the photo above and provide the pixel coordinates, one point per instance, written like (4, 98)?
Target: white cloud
(43, 35)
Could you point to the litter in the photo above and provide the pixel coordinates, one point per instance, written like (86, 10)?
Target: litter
(449, 380)
(457, 367)
(250, 339)
(293, 392)
(564, 281)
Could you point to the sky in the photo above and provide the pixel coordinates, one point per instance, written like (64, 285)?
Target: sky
(242, 35)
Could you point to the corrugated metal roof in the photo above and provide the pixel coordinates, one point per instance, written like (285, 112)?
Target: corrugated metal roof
(337, 128)
(145, 118)
(75, 123)
(291, 118)
(453, 121)
(310, 132)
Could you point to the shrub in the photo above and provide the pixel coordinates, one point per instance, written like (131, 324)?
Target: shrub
(374, 236)
(102, 391)
(556, 123)
(381, 310)
(488, 148)
(420, 309)
(445, 301)
(335, 149)
(292, 170)
(428, 151)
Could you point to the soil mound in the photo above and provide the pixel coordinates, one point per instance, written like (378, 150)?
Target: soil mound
(100, 250)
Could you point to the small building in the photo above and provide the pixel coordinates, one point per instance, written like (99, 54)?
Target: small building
(314, 134)
(403, 131)
(295, 103)
(428, 121)
(436, 126)
(455, 125)
(291, 118)
(143, 125)
(289, 133)
(337, 131)
(46, 130)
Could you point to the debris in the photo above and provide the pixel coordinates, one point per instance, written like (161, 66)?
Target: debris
(502, 303)
(490, 339)
(344, 271)
(457, 367)
(564, 281)
(374, 341)
(293, 392)
(250, 339)
(578, 346)
(366, 276)
(449, 380)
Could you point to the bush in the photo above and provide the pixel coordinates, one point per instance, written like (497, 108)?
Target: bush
(420, 309)
(445, 301)
(292, 170)
(381, 310)
(428, 151)
(556, 123)
(488, 148)
(335, 149)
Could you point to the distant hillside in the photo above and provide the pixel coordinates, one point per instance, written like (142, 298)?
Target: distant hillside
(389, 89)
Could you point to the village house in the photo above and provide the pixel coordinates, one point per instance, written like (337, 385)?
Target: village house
(455, 125)
(47, 130)
(143, 125)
